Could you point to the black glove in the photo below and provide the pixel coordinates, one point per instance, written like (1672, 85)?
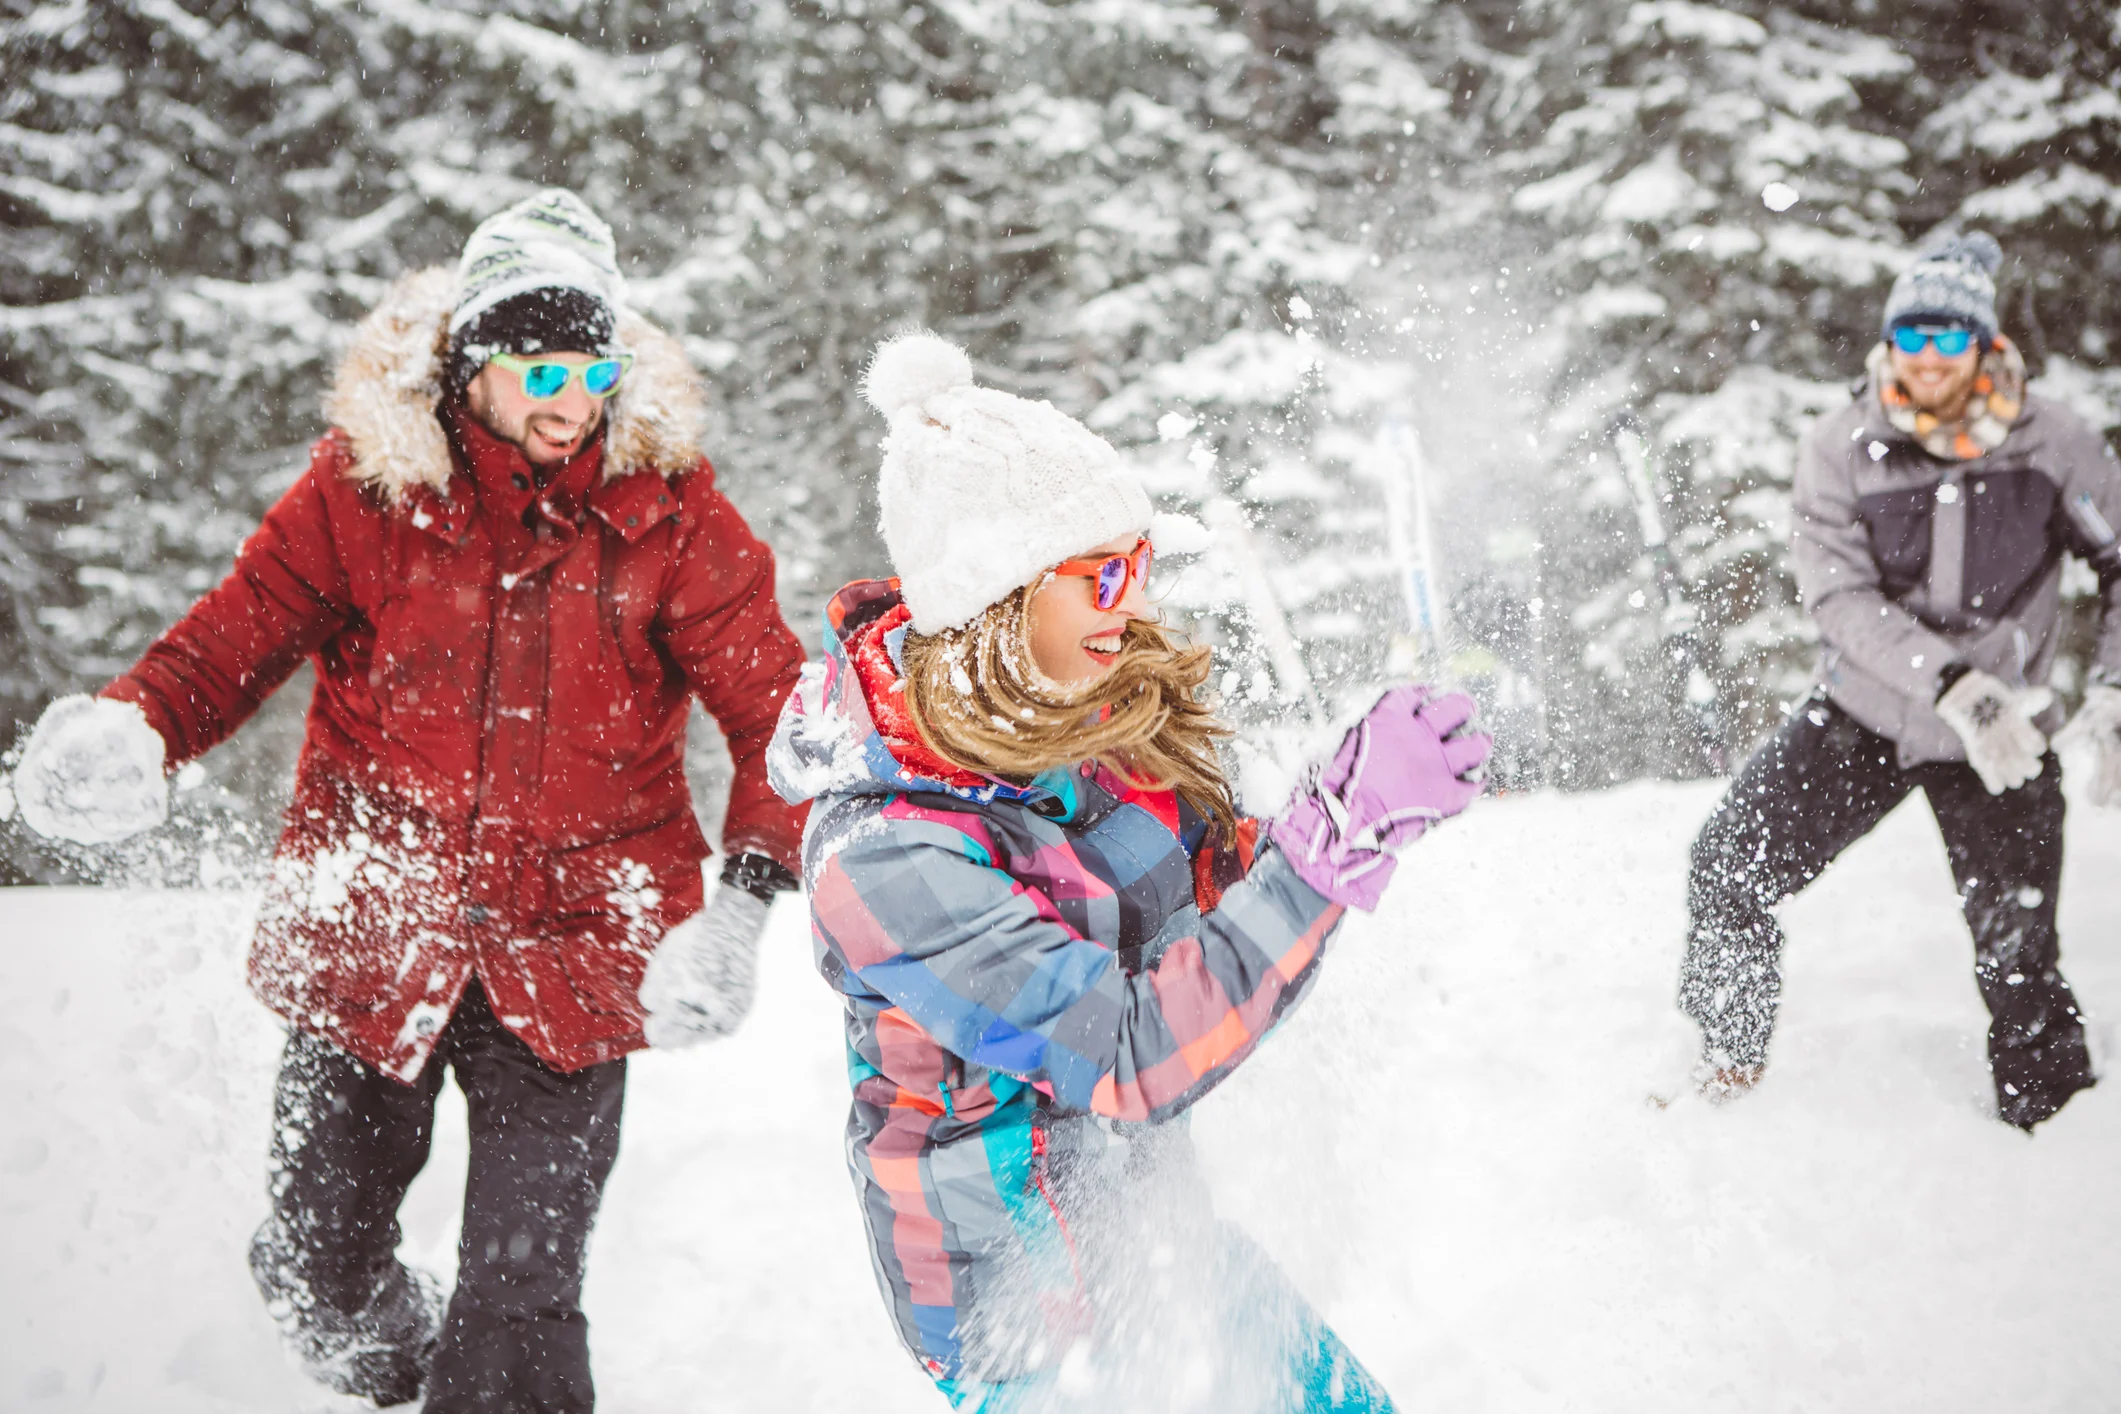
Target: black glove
(758, 876)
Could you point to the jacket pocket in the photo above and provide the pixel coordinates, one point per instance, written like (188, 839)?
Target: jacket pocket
(2010, 537)
(427, 665)
(1898, 523)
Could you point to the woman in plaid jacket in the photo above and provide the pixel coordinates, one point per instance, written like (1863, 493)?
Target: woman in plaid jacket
(1052, 931)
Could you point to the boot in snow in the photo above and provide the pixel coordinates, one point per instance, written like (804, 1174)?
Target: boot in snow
(381, 1353)
(1724, 1083)
(2028, 1092)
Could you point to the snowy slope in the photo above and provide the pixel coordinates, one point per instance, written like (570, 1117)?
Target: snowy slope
(1452, 1148)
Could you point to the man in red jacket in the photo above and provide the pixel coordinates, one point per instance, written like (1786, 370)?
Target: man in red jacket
(511, 568)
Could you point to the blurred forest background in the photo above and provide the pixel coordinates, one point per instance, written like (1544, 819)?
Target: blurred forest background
(1277, 250)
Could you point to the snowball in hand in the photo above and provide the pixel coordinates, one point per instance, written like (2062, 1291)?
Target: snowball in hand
(91, 772)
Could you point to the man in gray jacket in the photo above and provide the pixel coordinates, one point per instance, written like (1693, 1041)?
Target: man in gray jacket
(1931, 518)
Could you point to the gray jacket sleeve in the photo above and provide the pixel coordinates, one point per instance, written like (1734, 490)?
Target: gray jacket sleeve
(2090, 472)
(1838, 578)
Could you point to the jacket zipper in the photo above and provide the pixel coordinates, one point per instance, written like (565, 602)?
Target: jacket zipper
(1038, 1178)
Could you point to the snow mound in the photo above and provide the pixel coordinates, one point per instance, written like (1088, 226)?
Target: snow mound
(1489, 1204)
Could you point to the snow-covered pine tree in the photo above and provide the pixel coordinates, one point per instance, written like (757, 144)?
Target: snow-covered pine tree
(1217, 229)
(152, 313)
(184, 203)
(1721, 208)
(1285, 421)
(1118, 206)
(201, 199)
(2013, 115)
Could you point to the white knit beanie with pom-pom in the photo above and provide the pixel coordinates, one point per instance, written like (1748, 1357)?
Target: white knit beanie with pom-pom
(983, 491)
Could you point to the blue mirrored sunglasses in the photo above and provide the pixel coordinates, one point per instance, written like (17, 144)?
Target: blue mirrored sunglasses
(1951, 342)
(543, 378)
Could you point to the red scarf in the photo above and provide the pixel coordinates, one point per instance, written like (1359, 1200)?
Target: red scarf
(886, 691)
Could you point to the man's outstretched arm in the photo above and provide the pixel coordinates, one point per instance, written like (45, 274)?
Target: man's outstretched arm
(286, 595)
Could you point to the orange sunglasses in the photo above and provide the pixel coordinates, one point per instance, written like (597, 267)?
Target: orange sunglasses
(1114, 573)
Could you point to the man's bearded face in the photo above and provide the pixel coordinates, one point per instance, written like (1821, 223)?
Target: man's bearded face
(1937, 384)
(549, 430)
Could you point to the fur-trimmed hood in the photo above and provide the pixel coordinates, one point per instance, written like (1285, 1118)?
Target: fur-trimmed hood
(389, 385)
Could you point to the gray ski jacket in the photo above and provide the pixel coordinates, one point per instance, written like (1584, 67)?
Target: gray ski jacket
(1910, 563)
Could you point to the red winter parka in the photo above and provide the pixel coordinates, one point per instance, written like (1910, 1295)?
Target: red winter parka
(492, 782)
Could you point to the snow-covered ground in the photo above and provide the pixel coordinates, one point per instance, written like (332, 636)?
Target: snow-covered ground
(1452, 1148)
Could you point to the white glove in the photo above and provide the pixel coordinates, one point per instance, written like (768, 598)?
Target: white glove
(701, 979)
(91, 772)
(1995, 721)
(2097, 728)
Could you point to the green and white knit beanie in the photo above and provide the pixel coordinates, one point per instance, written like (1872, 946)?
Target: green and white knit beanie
(551, 241)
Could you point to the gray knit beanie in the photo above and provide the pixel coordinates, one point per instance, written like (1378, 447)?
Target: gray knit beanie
(1953, 281)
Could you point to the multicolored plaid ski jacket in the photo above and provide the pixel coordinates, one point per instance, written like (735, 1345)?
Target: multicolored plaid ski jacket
(1020, 966)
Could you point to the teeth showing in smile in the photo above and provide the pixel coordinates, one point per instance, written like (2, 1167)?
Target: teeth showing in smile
(1107, 646)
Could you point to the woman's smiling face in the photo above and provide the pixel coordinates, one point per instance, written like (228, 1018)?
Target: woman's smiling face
(1072, 640)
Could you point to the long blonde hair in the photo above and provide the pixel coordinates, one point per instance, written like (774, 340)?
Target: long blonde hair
(978, 700)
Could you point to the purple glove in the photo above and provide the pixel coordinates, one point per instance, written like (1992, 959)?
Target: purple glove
(1403, 765)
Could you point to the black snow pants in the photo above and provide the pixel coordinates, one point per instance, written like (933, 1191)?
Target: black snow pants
(347, 1144)
(1822, 783)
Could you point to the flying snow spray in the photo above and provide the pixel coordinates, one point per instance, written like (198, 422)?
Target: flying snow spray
(1233, 533)
(1424, 652)
(1679, 623)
